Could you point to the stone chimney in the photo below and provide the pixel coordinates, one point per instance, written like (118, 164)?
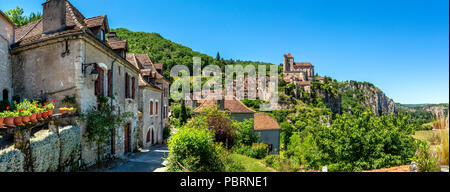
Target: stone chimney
(54, 16)
(112, 36)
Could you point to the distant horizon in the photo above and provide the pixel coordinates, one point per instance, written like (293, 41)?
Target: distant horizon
(386, 43)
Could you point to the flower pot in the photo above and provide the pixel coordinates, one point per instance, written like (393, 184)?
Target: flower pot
(39, 117)
(18, 120)
(45, 114)
(26, 119)
(50, 112)
(9, 121)
(33, 118)
(1, 122)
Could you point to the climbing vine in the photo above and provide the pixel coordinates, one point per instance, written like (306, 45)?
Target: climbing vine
(101, 123)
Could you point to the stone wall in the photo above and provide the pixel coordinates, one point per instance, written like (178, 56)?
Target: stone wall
(94, 53)
(6, 39)
(48, 152)
(150, 122)
(271, 137)
(242, 116)
(41, 70)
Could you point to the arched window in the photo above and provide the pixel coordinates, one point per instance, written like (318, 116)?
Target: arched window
(5, 95)
(151, 107)
(156, 108)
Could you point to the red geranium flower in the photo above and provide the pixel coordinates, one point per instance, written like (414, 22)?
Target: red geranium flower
(53, 100)
(20, 110)
(8, 107)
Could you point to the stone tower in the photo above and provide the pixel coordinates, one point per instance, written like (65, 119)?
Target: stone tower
(288, 62)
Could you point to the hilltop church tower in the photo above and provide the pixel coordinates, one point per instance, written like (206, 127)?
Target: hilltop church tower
(299, 73)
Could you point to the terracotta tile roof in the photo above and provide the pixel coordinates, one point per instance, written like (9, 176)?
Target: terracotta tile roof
(144, 59)
(263, 122)
(232, 106)
(304, 64)
(33, 32)
(133, 60)
(120, 44)
(97, 22)
(304, 83)
(143, 83)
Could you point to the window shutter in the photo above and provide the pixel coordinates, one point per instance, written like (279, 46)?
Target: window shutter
(99, 83)
(110, 93)
(156, 110)
(133, 87)
(151, 107)
(127, 86)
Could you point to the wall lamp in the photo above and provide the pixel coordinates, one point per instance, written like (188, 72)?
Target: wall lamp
(94, 72)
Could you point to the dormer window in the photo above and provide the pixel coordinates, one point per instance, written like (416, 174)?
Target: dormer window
(102, 35)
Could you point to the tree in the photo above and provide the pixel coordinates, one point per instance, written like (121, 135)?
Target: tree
(218, 56)
(17, 16)
(183, 113)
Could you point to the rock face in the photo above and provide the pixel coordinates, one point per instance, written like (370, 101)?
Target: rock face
(330, 100)
(371, 97)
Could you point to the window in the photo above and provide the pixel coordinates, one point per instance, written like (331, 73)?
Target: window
(5, 95)
(110, 93)
(99, 83)
(127, 86)
(133, 87)
(151, 107)
(156, 108)
(102, 35)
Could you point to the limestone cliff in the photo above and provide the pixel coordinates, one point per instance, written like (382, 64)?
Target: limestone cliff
(366, 95)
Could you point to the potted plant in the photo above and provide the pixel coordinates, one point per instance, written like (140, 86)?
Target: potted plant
(26, 116)
(49, 108)
(39, 114)
(33, 110)
(2, 116)
(9, 118)
(63, 110)
(18, 117)
(71, 110)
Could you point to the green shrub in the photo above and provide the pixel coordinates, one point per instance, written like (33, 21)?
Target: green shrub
(244, 132)
(281, 164)
(426, 159)
(257, 150)
(166, 133)
(192, 149)
(357, 142)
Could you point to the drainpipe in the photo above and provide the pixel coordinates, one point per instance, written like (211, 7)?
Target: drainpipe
(112, 80)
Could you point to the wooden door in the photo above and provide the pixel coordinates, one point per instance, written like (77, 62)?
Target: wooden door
(127, 138)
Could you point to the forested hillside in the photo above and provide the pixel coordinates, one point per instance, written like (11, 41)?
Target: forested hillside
(169, 53)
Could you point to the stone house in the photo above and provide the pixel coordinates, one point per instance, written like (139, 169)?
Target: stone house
(269, 131)
(150, 101)
(238, 111)
(263, 124)
(6, 40)
(301, 74)
(66, 54)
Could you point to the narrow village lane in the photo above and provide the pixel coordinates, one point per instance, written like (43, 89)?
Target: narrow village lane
(146, 161)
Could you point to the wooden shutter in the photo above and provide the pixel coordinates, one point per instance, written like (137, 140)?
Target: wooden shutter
(133, 87)
(127, 86)
(151, 107)
(110, 93)
(99, 83)
(156, 109)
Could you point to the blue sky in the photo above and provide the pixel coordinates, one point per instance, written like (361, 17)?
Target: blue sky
(400, 46)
